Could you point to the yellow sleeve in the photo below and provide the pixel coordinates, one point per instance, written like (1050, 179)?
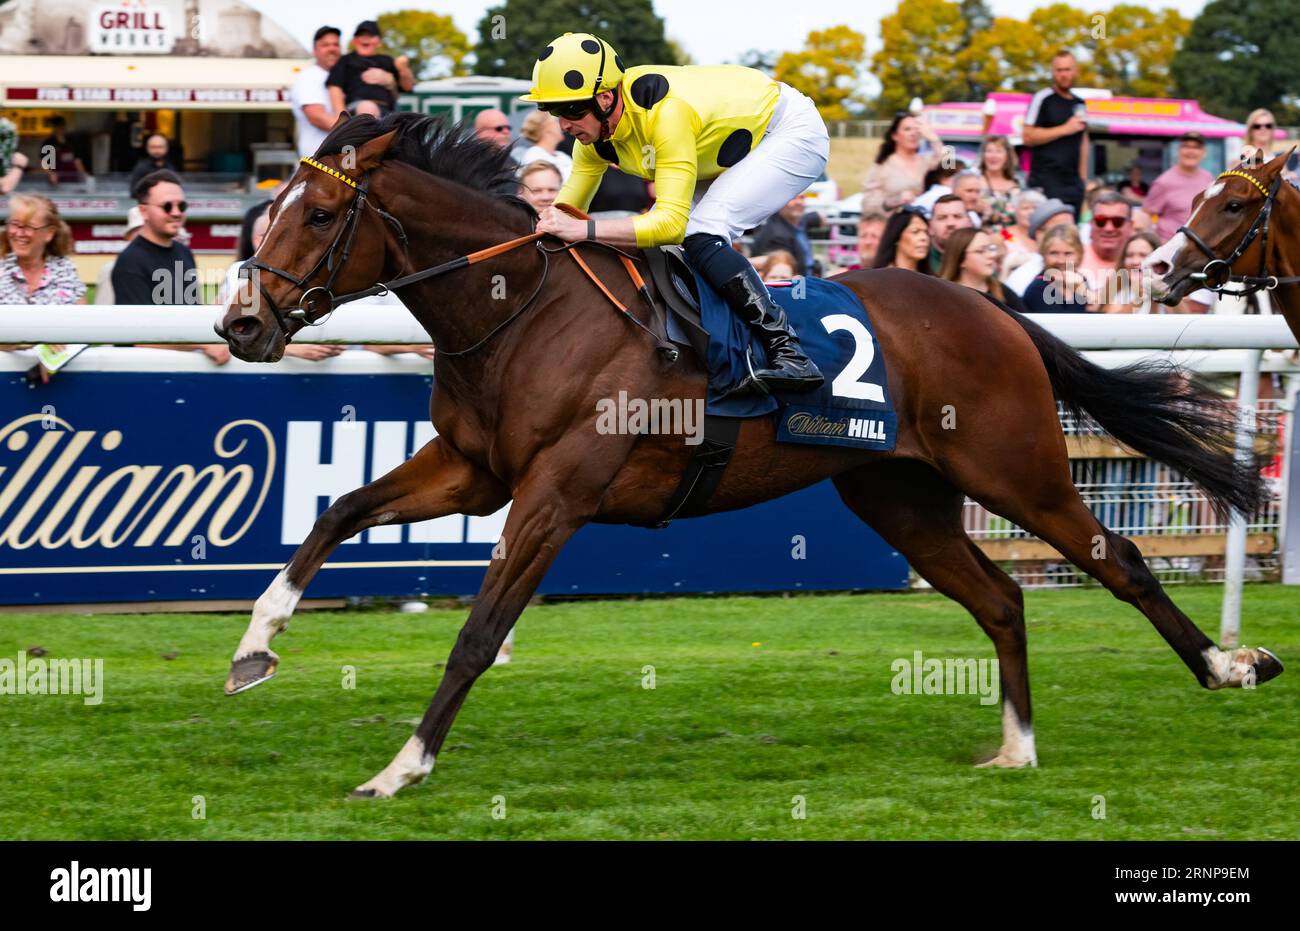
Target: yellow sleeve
(676, 131)
(588, 169)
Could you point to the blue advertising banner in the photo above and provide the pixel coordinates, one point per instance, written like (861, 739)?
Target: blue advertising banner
(177, 485)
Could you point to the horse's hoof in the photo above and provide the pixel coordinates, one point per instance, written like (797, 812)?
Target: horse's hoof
(249, 671)
(1002, 761)
(361, 792)
(1266, 666)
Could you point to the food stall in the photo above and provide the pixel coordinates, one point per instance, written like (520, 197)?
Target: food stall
(211, 75)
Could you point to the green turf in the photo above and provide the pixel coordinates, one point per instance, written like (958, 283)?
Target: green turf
(757, 700)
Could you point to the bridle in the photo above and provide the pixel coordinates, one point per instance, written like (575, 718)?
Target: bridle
(318, 302)
(1217, 273)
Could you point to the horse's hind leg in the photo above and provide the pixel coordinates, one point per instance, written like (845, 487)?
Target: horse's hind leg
(919, 513)
(1037, 493)
(436, 481)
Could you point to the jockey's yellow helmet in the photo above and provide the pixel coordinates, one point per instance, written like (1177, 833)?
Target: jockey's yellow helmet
(576, 66)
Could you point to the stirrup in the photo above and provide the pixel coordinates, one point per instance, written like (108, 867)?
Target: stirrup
(750, 384)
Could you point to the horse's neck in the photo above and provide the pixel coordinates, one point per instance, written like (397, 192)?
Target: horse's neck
(1285, 258)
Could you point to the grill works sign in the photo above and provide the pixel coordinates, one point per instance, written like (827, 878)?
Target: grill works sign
(132, 29)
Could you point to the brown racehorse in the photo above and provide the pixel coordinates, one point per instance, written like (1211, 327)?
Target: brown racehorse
(1243, 235)
(528, 345)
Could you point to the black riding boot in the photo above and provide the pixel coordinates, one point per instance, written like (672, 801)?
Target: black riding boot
(790, 369)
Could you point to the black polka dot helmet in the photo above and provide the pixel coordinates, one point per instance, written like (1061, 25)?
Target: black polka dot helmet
(576, 66)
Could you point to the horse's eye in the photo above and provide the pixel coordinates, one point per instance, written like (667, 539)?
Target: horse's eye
(320, 217)
(1234, 206)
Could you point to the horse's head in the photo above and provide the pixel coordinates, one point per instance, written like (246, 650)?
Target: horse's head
(1221, 236)
(324, 240)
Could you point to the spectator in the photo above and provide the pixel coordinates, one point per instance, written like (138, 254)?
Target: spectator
(938, 182)
(1133, 187)
(905, 243)
(67, 165)
(543, 130)
(1046, 215)
(539, 184)
(871, 227)
(1261, 141)
(775, 266)
(1056, 132)
(245, 249)
(348, 88)
(104, 280)
(155, 268)
(948, 216)
(1128, 294)
(156, 148)
(788, 230)
(969, 186)
(899, 172)
(971, 259)
(494, 126)
(312, 111)
(1112, 225)
(1001, 183)
(1020, 244)
(34, 263)
(1060, 289)
(232, 282)
(12, 162)
(1170, 200)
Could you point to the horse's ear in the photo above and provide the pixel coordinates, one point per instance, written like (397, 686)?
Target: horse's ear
(344, 116)
(370, 154)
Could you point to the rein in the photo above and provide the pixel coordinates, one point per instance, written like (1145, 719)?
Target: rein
(1217, 273)
(317, 303)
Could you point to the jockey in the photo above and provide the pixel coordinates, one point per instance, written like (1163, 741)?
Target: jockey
(725, 146)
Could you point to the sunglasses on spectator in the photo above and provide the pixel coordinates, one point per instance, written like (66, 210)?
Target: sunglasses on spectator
(15, 227)
(166, 206)
(1261, 125)
(1113, 222)
(571, 110)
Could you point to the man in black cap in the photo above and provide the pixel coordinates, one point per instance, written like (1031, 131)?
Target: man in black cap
(350, 91)
(1171, 195)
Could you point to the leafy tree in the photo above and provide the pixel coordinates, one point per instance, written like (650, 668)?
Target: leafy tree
(1133, 60)
(680, 55)
(759, 59)
(437, 49)
(921, 41)
(828, 70)
(1003, 57)
(512, 33)
(1242, 54)
(1062, 26)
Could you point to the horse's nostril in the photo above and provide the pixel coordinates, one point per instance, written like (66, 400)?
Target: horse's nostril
(242, 326)
(1160, 269)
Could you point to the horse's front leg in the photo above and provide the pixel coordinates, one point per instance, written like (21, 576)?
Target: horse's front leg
(544, 514)
(434, 482)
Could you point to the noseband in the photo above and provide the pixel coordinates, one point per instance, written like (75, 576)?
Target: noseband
(1217, 273)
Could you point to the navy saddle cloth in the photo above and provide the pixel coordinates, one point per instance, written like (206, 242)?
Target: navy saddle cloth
(851, 408)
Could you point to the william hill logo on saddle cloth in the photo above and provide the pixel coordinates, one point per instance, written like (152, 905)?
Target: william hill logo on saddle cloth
(851, 408)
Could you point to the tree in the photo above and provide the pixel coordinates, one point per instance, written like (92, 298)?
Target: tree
(680, 55)
(437, 49)
(1140, 43)
(1061, 26)
(1242, 54)
(759, 59)
(921, 41)
(513, 33)
(828, 70)
(1003, 57)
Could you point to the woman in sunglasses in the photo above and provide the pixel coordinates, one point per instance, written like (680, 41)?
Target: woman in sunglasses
(756, 142)
(1260, 131)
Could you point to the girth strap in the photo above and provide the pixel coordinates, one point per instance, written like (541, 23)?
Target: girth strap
(704, 472)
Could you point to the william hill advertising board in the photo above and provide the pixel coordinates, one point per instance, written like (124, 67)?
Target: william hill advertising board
(146, 485)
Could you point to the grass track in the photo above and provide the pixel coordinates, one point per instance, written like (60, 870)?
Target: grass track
(718, 749)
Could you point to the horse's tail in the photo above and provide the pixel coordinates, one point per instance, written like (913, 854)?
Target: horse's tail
(1159, 410)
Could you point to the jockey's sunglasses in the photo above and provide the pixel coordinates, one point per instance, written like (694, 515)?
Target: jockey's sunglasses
(569, 110)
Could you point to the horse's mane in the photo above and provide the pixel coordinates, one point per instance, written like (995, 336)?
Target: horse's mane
(438, 147)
